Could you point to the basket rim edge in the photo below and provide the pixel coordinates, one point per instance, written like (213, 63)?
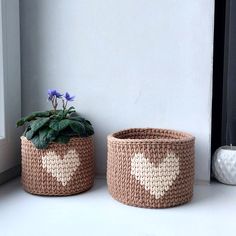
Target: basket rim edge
(187, 136)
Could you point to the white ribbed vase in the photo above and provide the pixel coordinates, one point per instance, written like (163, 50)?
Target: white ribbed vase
(224, 165)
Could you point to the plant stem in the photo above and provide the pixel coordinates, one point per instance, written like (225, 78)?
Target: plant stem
(64, 104)
(54, 103)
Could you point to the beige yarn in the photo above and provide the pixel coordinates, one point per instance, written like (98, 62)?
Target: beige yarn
(151, 167)
(157, 180)
(62, 169)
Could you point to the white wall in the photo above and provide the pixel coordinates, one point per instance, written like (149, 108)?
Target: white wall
(130, 63)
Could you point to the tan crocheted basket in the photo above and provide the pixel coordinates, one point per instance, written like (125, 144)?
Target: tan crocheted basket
(151, 168)
(61, 169)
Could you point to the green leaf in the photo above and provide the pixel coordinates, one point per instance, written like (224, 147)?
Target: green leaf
(26, 130)
(38, 143)
(78, 128)
(62, 139)
(33, 116)
(20, 122)
(54, 124)
(59, 125)
(87, 125)
(89, 129)
(71, 110)
(42, 113)
(25, 119)
(87, 121)
(29, 134)
(64, 124)
(37, 124)
(61, 114)
(51, 135)
(68, 132)
(68, 111)
(77, 118)
(47, 135)
(43, 135)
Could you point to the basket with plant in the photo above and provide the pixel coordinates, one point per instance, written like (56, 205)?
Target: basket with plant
(57, 149)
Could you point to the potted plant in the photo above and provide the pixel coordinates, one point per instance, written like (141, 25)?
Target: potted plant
(57, 149)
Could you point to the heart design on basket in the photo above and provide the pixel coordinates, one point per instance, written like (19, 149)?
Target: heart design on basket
(61, 168)
(156, 180)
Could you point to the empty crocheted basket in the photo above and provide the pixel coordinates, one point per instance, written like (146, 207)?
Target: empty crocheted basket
(151, 168)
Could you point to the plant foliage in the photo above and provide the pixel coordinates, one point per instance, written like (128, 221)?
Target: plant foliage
(55, 125)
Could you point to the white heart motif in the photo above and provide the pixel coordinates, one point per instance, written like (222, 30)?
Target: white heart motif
(62, 169)
(156, 180)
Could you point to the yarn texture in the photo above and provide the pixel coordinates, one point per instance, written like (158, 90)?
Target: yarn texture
(151, 168)
(61, 169)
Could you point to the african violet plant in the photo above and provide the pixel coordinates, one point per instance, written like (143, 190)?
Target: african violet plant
(55, 125)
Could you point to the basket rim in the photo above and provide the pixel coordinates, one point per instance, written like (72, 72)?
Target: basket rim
(186, 137)
(53, 144)
(72, 138)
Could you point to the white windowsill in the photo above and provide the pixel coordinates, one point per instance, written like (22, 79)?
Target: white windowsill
(211, 212)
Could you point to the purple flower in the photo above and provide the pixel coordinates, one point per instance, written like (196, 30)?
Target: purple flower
(68, 97)
(53, 93)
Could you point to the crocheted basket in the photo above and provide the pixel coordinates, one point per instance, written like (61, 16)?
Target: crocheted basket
(151, 168)
(61, 169)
